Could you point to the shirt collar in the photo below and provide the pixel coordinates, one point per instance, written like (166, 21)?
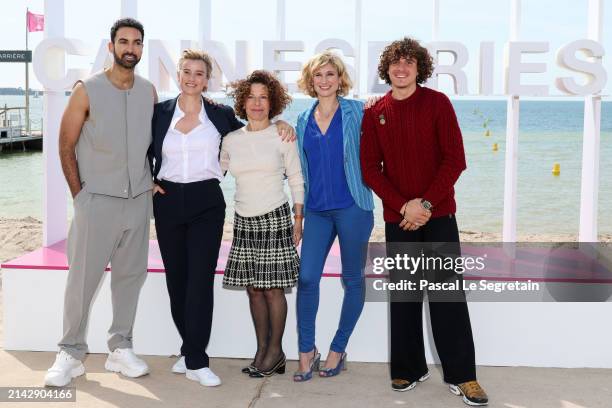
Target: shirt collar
(179, 114)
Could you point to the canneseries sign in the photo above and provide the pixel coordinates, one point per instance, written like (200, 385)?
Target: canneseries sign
(581, 57)
(583, 74)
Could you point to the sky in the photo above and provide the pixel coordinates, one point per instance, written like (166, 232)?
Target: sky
(467, 21)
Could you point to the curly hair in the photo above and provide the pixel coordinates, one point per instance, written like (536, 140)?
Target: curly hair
(240, 90)
(316, 62)
(406, 48)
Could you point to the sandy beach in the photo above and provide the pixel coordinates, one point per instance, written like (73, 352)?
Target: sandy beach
(21, 235)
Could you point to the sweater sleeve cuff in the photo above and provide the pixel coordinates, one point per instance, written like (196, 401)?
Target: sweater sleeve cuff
(435, 197)
(396, 203)
(297, 196)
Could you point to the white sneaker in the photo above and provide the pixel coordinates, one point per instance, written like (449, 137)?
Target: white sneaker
(179, 367)
(204, 376)
(124, 361)
(63, 370)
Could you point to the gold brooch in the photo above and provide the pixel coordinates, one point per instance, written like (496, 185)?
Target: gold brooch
(382, 120)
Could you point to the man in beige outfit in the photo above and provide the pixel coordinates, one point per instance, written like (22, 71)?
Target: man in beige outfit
(104, 137)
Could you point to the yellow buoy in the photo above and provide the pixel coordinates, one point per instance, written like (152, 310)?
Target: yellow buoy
(556, 170)
(495, 148)
(488, 133)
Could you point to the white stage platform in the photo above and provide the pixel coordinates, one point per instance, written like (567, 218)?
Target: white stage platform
(540, 334)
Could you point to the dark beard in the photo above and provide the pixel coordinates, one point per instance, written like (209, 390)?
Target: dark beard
(125, 64)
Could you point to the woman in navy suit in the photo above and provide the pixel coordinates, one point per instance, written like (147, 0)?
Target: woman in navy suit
(189, 207)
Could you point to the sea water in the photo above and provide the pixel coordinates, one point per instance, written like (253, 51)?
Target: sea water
(550, 132)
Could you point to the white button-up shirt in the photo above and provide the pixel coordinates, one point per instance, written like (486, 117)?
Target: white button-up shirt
(193, 156)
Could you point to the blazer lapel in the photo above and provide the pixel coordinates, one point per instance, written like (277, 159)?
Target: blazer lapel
(209, 109)
(306, 117)
(163, 124)
(347, 113)
(217, 118)
(302, 123)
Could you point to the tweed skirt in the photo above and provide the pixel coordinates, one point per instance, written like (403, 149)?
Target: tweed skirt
(262, 253)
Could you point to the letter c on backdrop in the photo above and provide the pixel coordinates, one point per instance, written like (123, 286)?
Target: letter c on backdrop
(49, 63)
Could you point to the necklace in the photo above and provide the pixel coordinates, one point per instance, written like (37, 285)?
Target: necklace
(326, 116)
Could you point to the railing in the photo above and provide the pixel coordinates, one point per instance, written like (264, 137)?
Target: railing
(13, 123)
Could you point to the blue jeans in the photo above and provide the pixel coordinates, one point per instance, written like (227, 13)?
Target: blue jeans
(353, 227)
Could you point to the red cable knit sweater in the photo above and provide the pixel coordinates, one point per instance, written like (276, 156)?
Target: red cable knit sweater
(412, 148)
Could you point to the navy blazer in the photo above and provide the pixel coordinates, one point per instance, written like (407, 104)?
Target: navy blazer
(222, 117)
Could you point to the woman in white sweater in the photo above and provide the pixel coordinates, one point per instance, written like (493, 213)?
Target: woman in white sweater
(263, 257)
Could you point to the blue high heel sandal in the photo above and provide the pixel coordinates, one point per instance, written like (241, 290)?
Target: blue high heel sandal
(332, 372)
(301, 376)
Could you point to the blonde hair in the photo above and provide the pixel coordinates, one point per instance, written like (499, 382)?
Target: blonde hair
(305, 83)
(196, 55)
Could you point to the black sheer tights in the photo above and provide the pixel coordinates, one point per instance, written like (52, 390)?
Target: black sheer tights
(269, 313)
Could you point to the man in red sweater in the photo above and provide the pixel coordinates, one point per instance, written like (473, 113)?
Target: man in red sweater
(411, 156)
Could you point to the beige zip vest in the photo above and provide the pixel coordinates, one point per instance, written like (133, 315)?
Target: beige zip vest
(112, 149)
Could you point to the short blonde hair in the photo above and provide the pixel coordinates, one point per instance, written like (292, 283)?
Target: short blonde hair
(196, 55)
(305, 83)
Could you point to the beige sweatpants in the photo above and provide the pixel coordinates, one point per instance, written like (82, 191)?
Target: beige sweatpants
(105, 229)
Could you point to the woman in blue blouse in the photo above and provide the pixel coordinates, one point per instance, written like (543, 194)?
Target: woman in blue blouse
(337, 203)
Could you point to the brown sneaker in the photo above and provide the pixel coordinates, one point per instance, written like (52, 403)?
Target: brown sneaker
(472, 392)
(401, 385)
